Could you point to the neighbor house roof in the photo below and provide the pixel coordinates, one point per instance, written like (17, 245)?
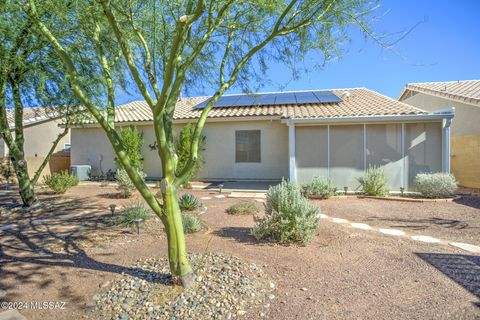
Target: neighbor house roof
(31, 116)
(467, 91)
(355, 102)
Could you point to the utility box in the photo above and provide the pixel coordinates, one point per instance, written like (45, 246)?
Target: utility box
(82, 172)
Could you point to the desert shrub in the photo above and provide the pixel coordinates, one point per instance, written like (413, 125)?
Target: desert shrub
(125, 186)
(289, 216)
(435, 185)
(188, 202)
(319, 188)
(182, 147)
(242, 208)
(191, 223)
(132, 141)
(374, 182)
(131, 212)
(60, 182)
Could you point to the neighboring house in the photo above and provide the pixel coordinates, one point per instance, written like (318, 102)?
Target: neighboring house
(41, 128)
(464, 96)
(335, 134)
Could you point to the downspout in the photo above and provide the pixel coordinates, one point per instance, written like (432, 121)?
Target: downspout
(291, 151)
(446, 145)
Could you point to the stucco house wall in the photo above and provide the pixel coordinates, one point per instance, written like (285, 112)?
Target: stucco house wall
(466, 118)
(90, 146)
(39, 138)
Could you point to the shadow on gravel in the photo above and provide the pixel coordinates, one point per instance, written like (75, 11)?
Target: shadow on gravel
(38, 242)
(463, 269)
(470, 201)
(422, 224)
(240, 234)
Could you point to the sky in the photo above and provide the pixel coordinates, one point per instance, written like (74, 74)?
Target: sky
(444, 46)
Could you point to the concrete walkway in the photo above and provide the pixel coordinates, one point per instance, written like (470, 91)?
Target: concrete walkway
(400, 233)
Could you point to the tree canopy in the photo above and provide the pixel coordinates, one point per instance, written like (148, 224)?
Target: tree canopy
(169, 47)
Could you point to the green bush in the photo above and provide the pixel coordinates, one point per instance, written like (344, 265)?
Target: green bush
(188, 202)
(242, 208)
(124, 185)
(132, 141)
(319, 188)
(374, 182)
(60, 182)
(182, 147)
(131, 212)
(289, 216)
(435, 185)
(191, 223)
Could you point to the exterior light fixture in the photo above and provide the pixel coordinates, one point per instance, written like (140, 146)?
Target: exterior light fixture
(112, 208)
(402, 189)
(220, 186)
(137, 222)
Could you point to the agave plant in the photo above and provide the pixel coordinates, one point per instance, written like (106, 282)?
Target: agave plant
(188, 202)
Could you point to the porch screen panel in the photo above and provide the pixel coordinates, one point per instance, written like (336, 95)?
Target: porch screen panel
(311, 153)
(384, 149)
(423, 149)
(346, 155)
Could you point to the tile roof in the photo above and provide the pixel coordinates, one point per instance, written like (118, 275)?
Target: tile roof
(32, 116)
(467, 91)
(355, 102)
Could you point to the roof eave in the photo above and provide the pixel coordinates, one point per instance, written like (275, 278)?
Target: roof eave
(435, 116)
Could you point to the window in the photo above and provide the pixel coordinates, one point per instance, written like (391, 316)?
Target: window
(247, 146)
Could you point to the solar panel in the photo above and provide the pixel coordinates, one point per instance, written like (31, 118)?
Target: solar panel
(259, 99)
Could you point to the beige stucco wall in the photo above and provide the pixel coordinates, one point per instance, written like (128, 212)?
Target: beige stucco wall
(467, 116)
(38, 141)
(89, 145)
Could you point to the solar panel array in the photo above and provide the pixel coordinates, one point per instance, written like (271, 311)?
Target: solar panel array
(260, 99)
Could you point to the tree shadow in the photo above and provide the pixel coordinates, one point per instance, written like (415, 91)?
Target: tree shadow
(26, 251)
(469, 201)
(422, 224)
(239, 234)
(463, 269)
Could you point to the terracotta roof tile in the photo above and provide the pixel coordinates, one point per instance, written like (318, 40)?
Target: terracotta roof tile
(355, 102)
(31, 116)
(464, 91)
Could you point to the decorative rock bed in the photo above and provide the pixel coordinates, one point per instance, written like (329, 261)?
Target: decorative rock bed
(225, 288)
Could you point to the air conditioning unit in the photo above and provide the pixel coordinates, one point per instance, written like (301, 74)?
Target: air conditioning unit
(82, 172)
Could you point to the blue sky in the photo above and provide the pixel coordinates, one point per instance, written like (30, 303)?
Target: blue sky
(445, 47)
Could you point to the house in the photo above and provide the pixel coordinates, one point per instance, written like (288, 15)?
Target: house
(464, 96)
(335, 134)
(41, 128)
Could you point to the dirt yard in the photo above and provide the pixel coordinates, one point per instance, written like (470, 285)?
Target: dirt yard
(66, 252)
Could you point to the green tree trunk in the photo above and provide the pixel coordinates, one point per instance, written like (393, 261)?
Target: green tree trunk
(25, 186)
(177, 251)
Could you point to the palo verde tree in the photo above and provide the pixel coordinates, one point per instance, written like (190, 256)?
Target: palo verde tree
(170, 46)
(30, 72)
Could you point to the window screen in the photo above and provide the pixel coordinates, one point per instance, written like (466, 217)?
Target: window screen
(247, 146)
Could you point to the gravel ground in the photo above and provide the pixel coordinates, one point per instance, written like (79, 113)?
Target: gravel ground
(455, 221)
(343, 273)
(225, 288)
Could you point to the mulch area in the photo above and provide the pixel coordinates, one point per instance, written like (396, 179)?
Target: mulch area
(342, 274)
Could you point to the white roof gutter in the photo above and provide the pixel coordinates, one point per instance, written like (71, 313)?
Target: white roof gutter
(436, 115)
